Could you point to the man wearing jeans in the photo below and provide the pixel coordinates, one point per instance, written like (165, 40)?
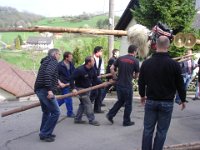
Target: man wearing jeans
(128, 68)
(45, 86)
(159, 79)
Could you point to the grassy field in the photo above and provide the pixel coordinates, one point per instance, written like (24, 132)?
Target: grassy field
(75, 23)
(26, 60)
(69, 42)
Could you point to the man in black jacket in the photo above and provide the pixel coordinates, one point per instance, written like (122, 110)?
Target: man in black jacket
(95, 95)
(159, 79)
(45, 87)
(84, 77)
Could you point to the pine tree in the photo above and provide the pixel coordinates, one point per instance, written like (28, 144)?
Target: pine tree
(17, 43)
(20, 39)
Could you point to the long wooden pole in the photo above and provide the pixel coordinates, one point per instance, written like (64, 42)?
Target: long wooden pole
(68, 30)
(32, 93)
(23, 108)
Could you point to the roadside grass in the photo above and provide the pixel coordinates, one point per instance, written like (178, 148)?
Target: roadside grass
(26, 60)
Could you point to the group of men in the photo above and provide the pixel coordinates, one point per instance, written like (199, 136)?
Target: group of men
(159, 79)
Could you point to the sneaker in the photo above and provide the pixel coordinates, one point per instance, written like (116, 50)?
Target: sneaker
(94, 122)
(79, 121)
(47, 139)
(128, 124)
(109, 118)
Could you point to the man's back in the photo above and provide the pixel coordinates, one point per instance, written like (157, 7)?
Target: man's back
(162, 76)
(126, 65)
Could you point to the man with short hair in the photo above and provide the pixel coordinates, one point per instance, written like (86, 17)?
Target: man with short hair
(115, 55)
(95, 95)
(84, 77)
(45, 87)
(159, 79)
(65, 70)
(128, 68)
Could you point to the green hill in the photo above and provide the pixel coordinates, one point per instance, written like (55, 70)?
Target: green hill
(74, 22)
(11, 17)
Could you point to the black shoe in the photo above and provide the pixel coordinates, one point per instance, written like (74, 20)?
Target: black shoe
(186, 101)
(79, 121)
(47, 139)
(196, 98)
(52, 135)
(103, 105)
(94, 122)
(71, 116)
(99, 111)
(128, 124)
(109, 118)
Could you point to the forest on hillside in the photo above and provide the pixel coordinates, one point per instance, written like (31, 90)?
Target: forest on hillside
(11, 17)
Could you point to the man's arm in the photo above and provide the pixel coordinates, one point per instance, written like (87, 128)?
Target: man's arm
(112, 71)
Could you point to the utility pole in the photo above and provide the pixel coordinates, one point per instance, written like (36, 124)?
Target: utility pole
(111, 27)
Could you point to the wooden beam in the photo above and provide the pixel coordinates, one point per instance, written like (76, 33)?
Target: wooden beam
(36, 104)
(68, 30)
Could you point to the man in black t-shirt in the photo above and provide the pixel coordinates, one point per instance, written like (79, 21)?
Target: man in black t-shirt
(128, 68)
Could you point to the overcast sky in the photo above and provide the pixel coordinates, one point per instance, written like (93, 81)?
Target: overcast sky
(52, 8)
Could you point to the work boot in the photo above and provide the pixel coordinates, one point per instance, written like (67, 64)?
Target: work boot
(94, 122)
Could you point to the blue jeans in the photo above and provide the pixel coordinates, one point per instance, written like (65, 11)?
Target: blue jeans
(67, 101)
(125, 97)
(50, 114)
(157, 114)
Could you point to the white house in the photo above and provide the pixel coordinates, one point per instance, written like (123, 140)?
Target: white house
(39, 43)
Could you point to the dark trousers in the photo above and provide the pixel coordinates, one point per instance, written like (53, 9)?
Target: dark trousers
(125, 98)
(95, 97)
(156, 113)
(105, 91)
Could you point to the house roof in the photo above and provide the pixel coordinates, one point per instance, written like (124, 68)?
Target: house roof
(39, 40)
(126, 16)
(16, 81)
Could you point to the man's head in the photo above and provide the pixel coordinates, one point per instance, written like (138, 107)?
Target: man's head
(89, 62)
(98, 51)
(132, 49)
(67, 56)
(54, 52)
(189, 52)
(162, 44)
(115, 53)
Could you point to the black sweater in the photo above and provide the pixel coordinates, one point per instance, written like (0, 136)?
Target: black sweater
(48, 74)
(160, 78)
(84, 77)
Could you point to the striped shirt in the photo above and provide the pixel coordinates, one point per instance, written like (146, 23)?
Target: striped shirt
(48, 74)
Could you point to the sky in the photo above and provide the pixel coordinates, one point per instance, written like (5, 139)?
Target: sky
(55, 8)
